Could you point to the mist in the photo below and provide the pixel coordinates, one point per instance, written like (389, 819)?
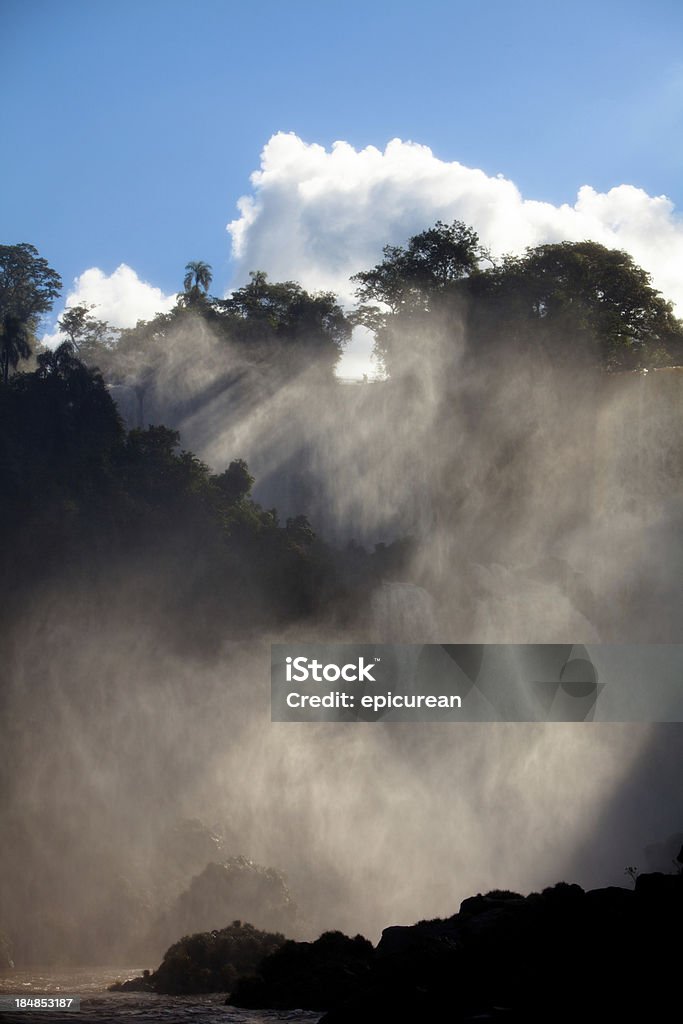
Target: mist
(536, 503)
(542, 498)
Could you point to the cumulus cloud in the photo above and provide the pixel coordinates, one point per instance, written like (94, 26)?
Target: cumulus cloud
(120, 298)
(319, 216)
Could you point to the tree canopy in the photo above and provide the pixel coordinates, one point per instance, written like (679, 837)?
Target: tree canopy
(278, 326)
(28, 288)
(572, 300)
(89, 336)
(408, 276)
(587, 297)
(196, 283)
(306, 327)
(80, 490)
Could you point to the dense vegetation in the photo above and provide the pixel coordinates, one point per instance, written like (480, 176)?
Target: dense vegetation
(208, 961)
(578, 300)
(575, 302)
(80, 489)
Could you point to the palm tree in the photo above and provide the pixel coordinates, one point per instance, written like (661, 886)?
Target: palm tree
(197, 280)
(14, 344)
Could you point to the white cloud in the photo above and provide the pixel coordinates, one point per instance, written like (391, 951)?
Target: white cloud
(120, 298)
(318, 216)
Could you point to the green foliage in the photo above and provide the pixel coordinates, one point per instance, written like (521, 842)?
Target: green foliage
(92, 339)
(212, 961)
(305, 329)
(413, 281)
(280, 328)
(300, 530)
(196, 284)
(59, 429)
(235, 483)
(73, 477)
(408, 277)
(197, 275)
(584, 301)
(80, 491)
(28, 287)
(574, 302)
(14, 344)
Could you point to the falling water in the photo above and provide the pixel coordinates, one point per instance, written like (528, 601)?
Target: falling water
(538, 513)
(404, 614)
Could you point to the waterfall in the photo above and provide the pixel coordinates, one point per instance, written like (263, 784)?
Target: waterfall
(404, 614)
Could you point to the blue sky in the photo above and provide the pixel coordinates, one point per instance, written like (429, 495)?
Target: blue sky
(131, 129)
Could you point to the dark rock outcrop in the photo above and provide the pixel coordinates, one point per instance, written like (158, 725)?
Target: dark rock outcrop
(308, 975)
(142, 983)
(561, 955)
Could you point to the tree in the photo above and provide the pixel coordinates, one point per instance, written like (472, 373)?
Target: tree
(236, 482)
(412, 281)
(196, 282)
(433, 260)
(308, 328)
(576, 302)
(583, 301)
(15, 343)
(91, 339)
(299, 530)
(59, 427)
(28, 288)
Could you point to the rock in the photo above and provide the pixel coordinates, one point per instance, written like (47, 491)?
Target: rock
(661, 889)
(207, 961)
(495, 899)
(557, 955)
(140, 984)
(308, 975)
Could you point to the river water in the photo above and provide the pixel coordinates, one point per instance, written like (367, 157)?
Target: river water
(102, 1007)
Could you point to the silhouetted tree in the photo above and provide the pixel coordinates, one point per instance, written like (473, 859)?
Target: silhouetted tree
(414, 280)
(236, 482)
(197, 281)
(92, 339)
(28, 287)
(575, 301)
(432, 260)
(583, 301)
(282, 317)
(15, 343)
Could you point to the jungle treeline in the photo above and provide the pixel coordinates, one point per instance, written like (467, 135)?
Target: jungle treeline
(85, 498)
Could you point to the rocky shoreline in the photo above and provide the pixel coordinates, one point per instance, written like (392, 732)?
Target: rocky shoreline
(564, 954)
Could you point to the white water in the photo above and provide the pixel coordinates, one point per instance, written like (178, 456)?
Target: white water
(102, 1007)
